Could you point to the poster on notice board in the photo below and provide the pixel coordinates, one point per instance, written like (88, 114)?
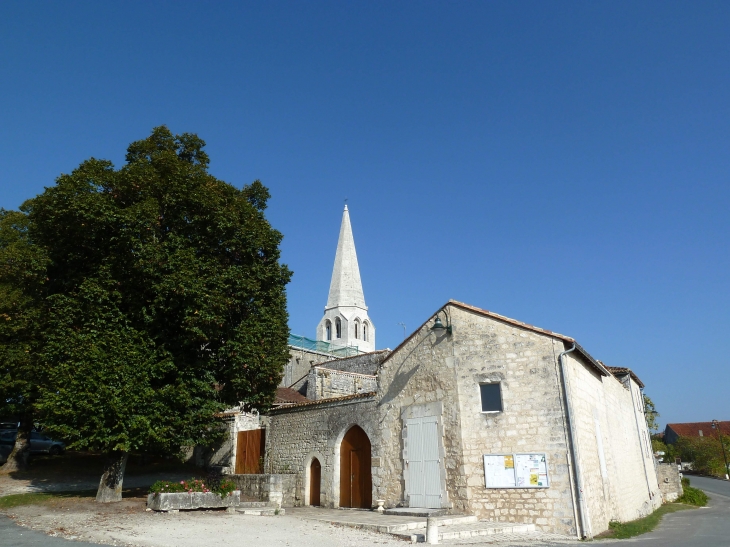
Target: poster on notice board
(516, 471)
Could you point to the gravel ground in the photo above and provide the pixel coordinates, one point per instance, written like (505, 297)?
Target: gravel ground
(129, 524)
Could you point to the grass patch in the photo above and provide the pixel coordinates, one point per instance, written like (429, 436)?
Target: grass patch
(624, 530)
(38, 498)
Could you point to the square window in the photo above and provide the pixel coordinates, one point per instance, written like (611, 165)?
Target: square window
(491, 397)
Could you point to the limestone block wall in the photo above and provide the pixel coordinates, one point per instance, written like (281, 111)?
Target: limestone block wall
(276, 489)
(532, 421)
(300, 362)
(297, 435)
(670, 481)
(367, 363)
(325, 383)
(619, 480)
(416, 379)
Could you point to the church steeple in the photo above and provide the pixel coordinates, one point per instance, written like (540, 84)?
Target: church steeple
(346, 321)
(346, 287)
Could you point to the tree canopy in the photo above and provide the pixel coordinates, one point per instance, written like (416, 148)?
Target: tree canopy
(156, 299)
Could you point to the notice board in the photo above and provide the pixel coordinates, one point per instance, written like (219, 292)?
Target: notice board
(516, 471)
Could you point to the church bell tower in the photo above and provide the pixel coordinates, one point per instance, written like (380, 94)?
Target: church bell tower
(346, 321)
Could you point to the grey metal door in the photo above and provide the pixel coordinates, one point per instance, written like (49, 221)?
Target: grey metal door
(424, 477)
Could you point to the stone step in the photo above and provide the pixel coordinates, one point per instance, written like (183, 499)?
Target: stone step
(261, 511)
(467, 530)
(416, 512)
(412, 525)
(254, 504)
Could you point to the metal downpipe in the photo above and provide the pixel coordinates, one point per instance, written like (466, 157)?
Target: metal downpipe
(584, 533)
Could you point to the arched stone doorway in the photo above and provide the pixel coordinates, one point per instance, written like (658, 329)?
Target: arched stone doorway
(315, 481)
(356, 483)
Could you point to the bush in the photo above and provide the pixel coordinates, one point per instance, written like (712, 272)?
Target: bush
(692, 496)
(222, 487)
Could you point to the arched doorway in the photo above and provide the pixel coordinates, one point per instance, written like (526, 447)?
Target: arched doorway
(315, 480)
(356, 483)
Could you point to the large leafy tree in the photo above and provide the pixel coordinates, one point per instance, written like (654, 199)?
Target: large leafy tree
(22, 275)
(164, 302)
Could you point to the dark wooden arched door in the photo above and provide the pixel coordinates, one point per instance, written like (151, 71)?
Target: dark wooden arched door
(315, 479)
(356, 483)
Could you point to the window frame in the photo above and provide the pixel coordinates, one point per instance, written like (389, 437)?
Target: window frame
(481, 400)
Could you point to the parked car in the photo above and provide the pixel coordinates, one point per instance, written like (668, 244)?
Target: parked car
(39, 443)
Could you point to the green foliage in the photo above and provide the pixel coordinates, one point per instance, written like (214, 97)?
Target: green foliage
(22, 274)
(624, 530)
(221, 487)
(137, 303)
(38, 498)
(651, 414)
(692, 496)
(705, 453)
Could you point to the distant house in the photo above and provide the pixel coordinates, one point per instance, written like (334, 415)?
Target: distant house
(673, 432)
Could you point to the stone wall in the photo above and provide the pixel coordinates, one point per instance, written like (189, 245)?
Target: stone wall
(670, 481)
(325, 383)
(619, 479)
(367, 363)
(296, 435)
(300, 361)
(276, 489)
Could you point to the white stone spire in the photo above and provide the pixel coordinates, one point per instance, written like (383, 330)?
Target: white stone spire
(346, 321)
(346, 287)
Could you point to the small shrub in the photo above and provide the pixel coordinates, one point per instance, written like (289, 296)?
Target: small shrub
(222, 487)
(692, 496)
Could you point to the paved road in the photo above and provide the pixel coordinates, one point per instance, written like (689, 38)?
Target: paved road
(12, 535)
(706, 527)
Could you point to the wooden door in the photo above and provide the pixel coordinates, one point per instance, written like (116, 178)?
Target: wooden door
(250, 448)
(424, 478)
(315, 479)
(356, 482)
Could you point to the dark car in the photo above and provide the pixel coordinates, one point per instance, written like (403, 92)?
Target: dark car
(39, 443)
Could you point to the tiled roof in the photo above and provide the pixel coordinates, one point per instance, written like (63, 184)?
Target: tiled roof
(623, 370)
(309, 403)
(286, 395)
(693, 429)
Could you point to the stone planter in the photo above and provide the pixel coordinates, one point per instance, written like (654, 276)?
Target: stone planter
(194, 500)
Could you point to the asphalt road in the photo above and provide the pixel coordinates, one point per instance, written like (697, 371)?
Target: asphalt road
(12, 535)
(705, 527)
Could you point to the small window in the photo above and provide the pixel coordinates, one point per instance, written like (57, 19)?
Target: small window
(491, 397)
(338, 328)
(365, 332)
(329, 330)
(357, 330)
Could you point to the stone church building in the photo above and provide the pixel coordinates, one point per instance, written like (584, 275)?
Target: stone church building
(473, 413)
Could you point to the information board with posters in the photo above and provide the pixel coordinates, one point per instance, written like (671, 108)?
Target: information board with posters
(516, 471)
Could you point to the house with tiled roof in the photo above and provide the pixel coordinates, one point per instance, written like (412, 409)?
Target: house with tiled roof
(672, 432)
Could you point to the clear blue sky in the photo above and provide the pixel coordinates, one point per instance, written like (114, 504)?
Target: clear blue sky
(562, 163)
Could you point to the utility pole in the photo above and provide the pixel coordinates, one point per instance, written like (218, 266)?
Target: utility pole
(716, 425)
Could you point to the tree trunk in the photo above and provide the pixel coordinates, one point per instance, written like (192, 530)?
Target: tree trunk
(18, 458)
(110, 485)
